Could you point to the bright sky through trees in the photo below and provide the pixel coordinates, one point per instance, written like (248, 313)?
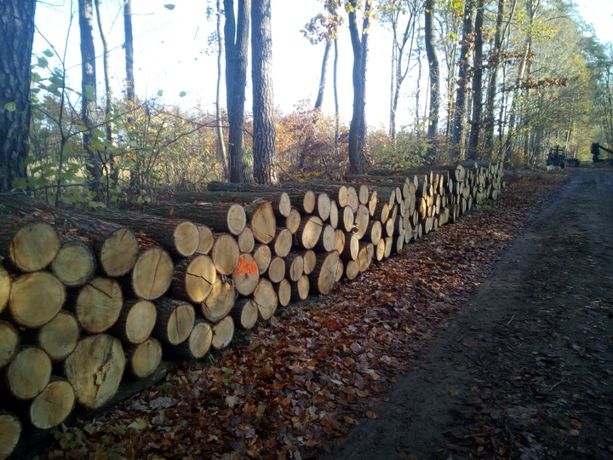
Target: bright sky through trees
(172, 57)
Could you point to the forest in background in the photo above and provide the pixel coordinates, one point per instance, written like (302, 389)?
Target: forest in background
(506, 79)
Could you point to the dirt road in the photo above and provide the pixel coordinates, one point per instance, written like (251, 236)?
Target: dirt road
(526, 369)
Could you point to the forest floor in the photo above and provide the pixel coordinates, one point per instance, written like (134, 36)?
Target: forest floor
(492, 337)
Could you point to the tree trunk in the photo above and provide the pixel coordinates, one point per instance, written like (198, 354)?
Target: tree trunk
(477, 90)
(129, 49)
(322, 76)
(463, 78)
(221, 143)
(16, 34)
(488, 134)
(236, 42)
(264, 135)
(88, 93)
(359, 45)
(434, 75)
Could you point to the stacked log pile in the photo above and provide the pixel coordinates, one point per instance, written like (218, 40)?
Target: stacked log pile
(88, 299)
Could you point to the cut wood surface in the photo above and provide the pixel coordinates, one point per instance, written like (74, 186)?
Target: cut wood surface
(347, 219)
(333, 218)
(53, 405)
(36, 298)
(28, 373)
(59, 337)
(276, 269)
(310, 259)
(98, 304)
(223, 332)
(262, 220)
(265, 297)
(95, 369)
(193, 278)
(309, 232)
(32, 247)
(292, 221)
(74, 264)
(144, 358)
(351, 248)
(352, 269)
(323, 276)
(246, 240)
(225, 254)
(284, 292)
(294, 266)
(300, 288)
(10, 432)
(206, 239)
(245, 313)
(136, 321)
(327, 239)
(282, 242)
(262, 255)
(219, 302)
(362, 218)
(175, 320)
(199, 341)
(152, 273)
(5, 287)
(9, 342)
(246, 274)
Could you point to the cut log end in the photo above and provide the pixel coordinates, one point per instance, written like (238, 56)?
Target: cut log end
(59, 336)
(152, 273)
(175, 320)
(9, 341)
(34, 246)
(245, 313)
(265, 297)
(246, 240)
(74, 264)
(323, 277)
(246, 274)
(284, 292)
(28, 373)
(206, 239)
(10, 432)
(144, 358)
(200, 340)
(98, 304)
(5, 288)
(263, 223)
(53, 405)
(119, 253)
(225, 254)
(300, 289)
(36, 298)
(223, 333)
(186, 238)
(292, 221)
(137, 320)
(236, 219)
(262, 255)
(219, 302)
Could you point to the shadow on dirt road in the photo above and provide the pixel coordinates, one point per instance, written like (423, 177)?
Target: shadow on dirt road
(526, 369)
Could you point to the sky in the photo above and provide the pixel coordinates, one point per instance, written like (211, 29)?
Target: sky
(174, 62)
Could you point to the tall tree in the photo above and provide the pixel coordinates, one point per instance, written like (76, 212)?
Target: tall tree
(16, 34)
(264, 135)
(463, 77)
(129, 49)
(221, 144)
(359, 46)
(88, 91)
(434, 74)
(477, 90)
(236, 43)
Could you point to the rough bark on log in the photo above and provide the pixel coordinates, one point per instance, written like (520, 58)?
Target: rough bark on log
(152, 274)
(136, 321)
(32, 247)
(36, 298)
(223, 332)
(276, 269)
(309, 232)
(265, 297)
(9, 342)
(98, 304)
(225, 254)
(28, 373)
(245, 313)
(53, 405)
(175, 320)
(74, 264)
(219, 302)
(193, 278)
(300, 288)
(280, 200)
(246, 274)
(284, 292)
(206, 239)
(95, 369)
(310, 259)
(59, 337)
(323, 276)
(10, 432)
(144, 358)
(262, 255)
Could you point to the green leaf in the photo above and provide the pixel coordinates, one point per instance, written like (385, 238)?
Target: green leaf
(160, 93)
(48, 53)
(42, 62)
(182, 94)
(10, 106)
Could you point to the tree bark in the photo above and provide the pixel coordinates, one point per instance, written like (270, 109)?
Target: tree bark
(129, 50)
(477, 93)
(264, 135)
(491, 84)
(236, 42)
(460, 103)
(221, 143)
(433, 68)
(16, 35)
(322, 76)
(88, 92)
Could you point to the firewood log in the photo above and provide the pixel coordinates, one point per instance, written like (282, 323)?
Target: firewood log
(276, 269)
(152, 274)
(28, 373)
(136, 321)
(327, 239)
(175, 320)
(193, 278)
(246, 240)
(300, 288)
(10, 432)
(305, 201)
(59, 337)
(347, 219)
(225, 254)
(53, 405)
(95, 369)
(322, 206)
(36, 298)
(246, 274)
(284, 292)
(223, 332)
(32, 247)
(352, 269)
(262, 255)
(219, 302)
(198, 343)
(98, 304)
(292, 221)
(340, 240)
(351, 248)
(294, 266)
(323, 276)
(75, 264)
(206, 239)
(144, 358)
(282, 243)
(309, 231)
(9, 342)
(265, 297)
(5, 288)
(334, 214)
(262, 221)
(245, 313)
(310, 259)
